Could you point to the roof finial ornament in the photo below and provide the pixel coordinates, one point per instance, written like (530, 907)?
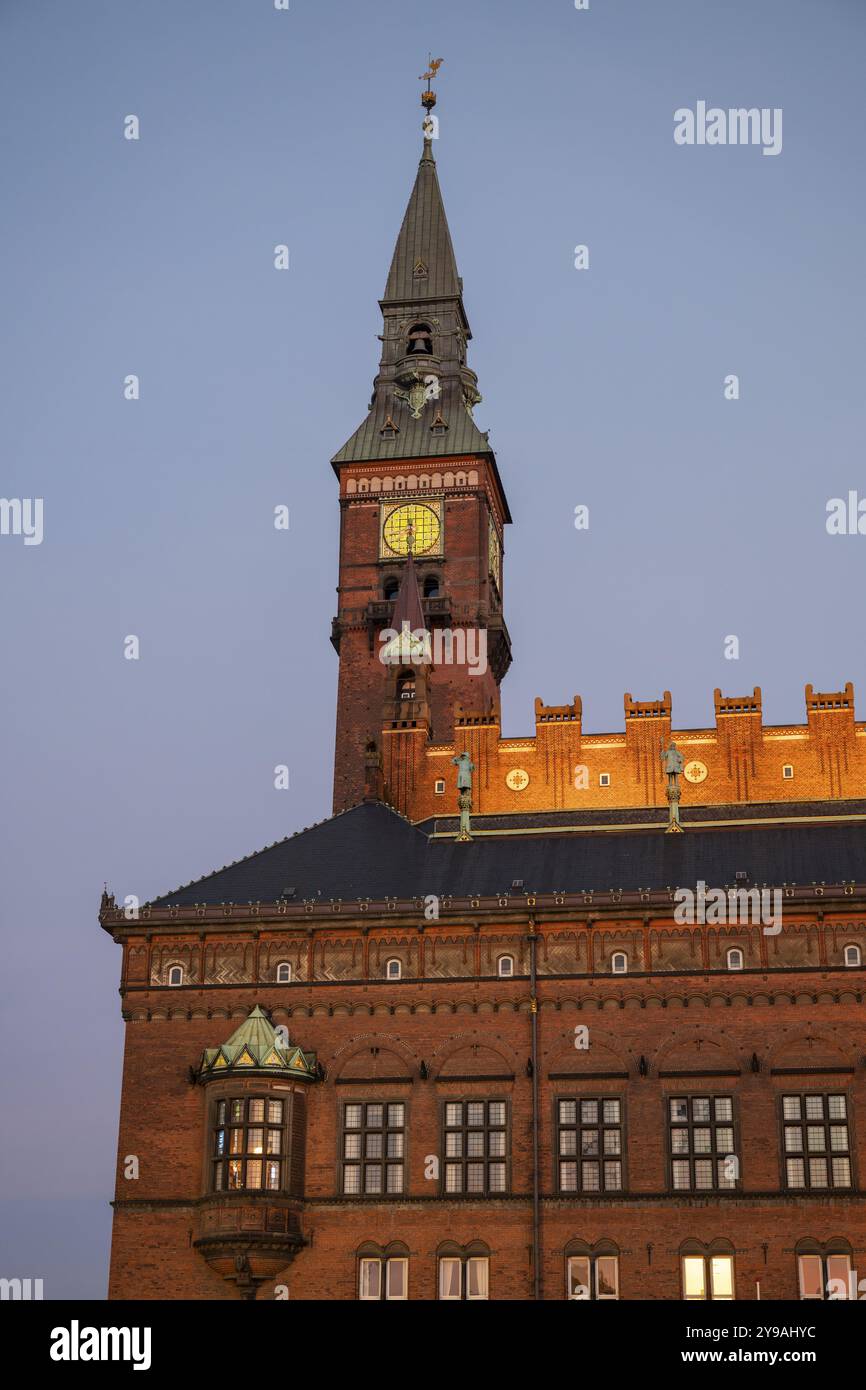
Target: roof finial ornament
(428, 101)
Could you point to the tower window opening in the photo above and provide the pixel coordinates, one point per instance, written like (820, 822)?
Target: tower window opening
(431, 586)
(406, 686)
(420, 339)
(390, 587)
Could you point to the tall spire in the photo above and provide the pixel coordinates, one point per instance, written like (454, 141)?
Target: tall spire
(424, 393)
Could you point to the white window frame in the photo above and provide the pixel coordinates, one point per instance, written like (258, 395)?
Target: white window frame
(283, 979)
(383, 1278)
(604, 779)
(505, 967)
(735, 951)
(787, 772)
(396, 974)
(439, 786)
(825, 1279)
(592, 1294)
(616, 969)
(708, 1278)
(445, 1260)
(858, 956)
(172, 982)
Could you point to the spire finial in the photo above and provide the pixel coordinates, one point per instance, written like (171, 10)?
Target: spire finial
(428, 101)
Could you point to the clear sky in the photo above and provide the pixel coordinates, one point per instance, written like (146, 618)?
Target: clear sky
(601, 387)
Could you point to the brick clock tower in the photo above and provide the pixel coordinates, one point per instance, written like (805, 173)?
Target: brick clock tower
(422, 517)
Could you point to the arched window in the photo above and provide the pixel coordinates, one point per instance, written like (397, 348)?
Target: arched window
(505, 967)
(464, 1272)
(175, 975)
(383, 1274)
(284, 973)
(406, 686)
(824, 1271)
(707, 1271)
(852, 956)
(619, 963)
(431, 586)
(420, 339)
(390, 587)
(591, 1272)
(735, 958)
(393, 969)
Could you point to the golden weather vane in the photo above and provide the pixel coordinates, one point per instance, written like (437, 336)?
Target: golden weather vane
(428, 97)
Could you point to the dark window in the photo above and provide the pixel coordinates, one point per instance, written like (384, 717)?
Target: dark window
(431, 586)
(390, 587)
(475, 1142)
(373, 1148)
(420, 339)
(702, 1143)
(590, 1144)
(249, 1144)
(406, 687)
(816, 1141)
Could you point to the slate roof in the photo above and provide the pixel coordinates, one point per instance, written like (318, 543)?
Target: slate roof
(415, 439)
(373, 852)
(424, 236)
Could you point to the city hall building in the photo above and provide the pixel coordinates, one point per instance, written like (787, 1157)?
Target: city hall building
(571, 1016)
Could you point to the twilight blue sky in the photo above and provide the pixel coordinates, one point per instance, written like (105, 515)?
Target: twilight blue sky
(601, 387)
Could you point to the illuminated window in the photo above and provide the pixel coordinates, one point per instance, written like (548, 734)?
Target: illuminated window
(708, 1277)
(249, 1143)
(822, 1274)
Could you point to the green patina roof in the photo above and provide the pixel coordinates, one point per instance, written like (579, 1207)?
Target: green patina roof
(255, 1046)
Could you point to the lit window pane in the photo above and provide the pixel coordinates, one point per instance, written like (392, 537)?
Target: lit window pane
(274, 1141)
(220, 1141)
(353, 1117)
(791, 1107)
(236, 1143)
(272, 1171)
(221, 1113)
(254, 1172)
(794, 1138)
(237, 1111)
(255, 1141)
(589, 1112)
(395, 1116)
(496, 1112)
(568, 1112)
(722, 1276)
(610, 1112)
(235, 1173)
(694, 1277)
(257, 1111)
(454, 1114)
(275, 1112)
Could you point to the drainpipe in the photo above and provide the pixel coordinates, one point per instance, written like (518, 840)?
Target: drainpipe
(536, 1206)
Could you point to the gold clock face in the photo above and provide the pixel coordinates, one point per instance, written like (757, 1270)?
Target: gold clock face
(413, 526)
(695, 771)
(494, 554)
